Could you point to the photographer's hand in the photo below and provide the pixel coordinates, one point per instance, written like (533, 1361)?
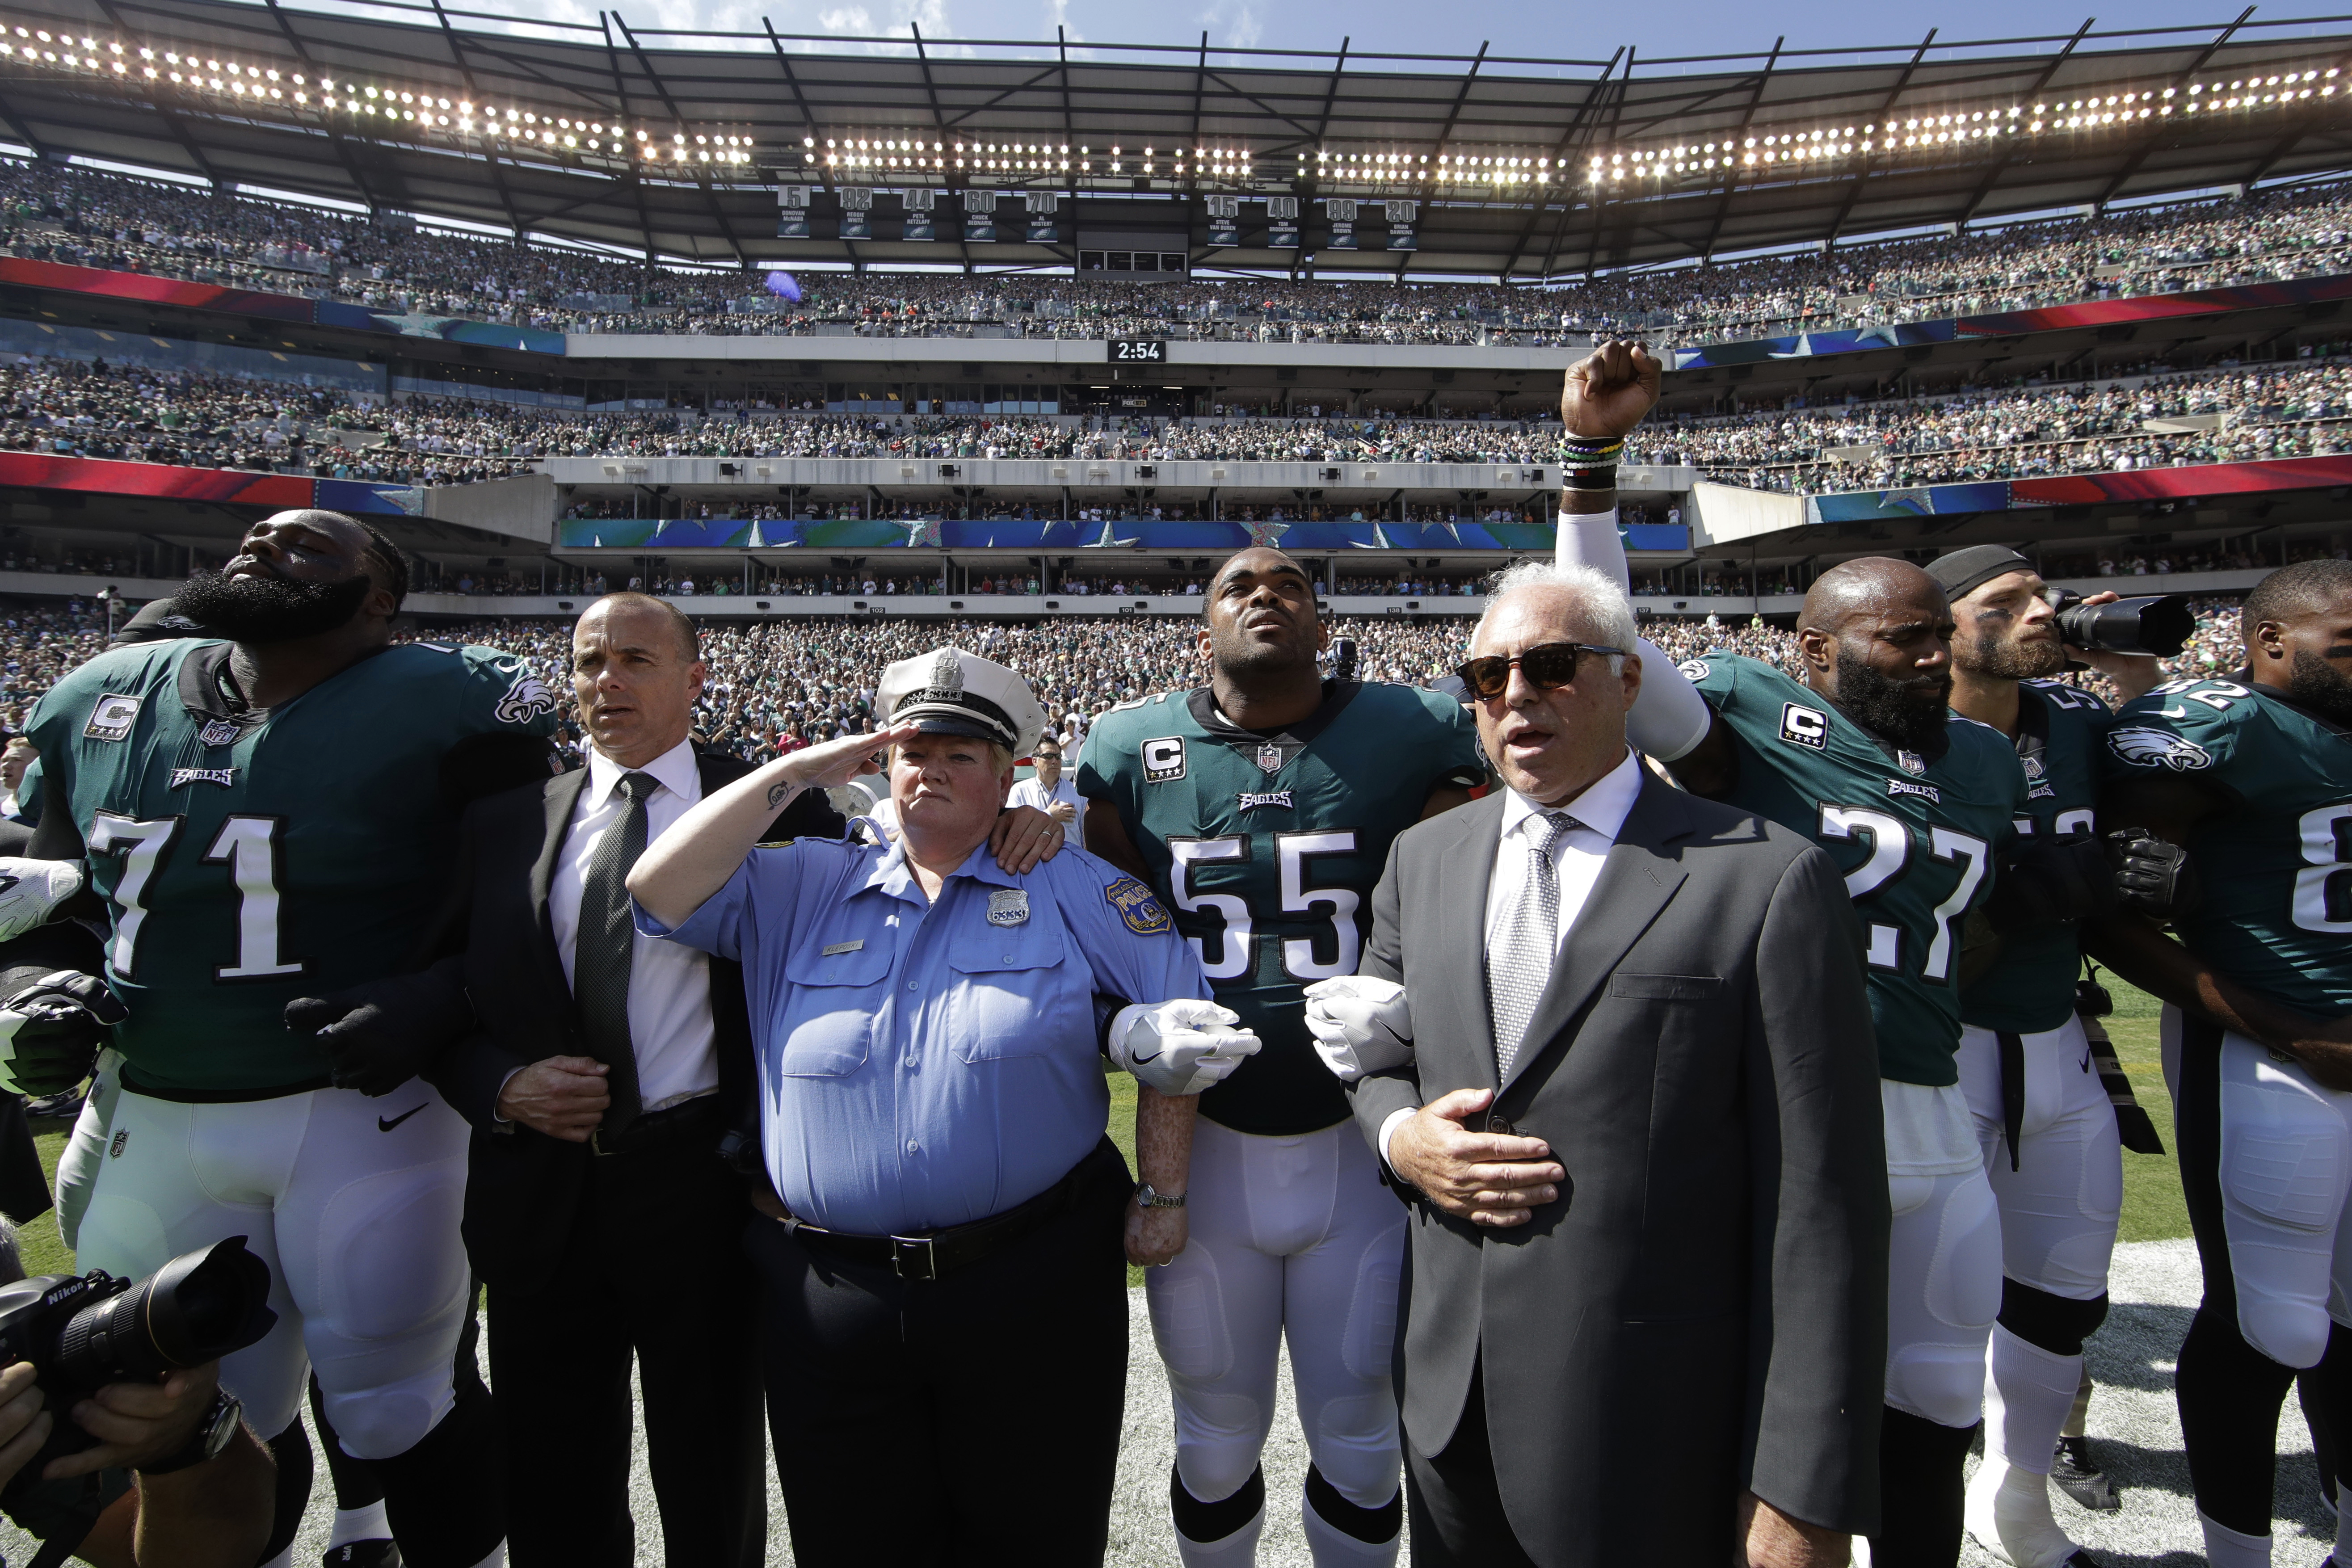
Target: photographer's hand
(23, 1425)
(138, 1423)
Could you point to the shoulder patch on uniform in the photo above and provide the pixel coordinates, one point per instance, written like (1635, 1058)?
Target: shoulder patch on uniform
(1163, 759)
(527, 697)
(1803, 726)
(2146, 748)
(1694, 669)
(112, 718)
(1143, 914)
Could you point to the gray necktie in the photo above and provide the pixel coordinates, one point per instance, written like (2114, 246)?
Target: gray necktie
(601, 953)
(1518, 965)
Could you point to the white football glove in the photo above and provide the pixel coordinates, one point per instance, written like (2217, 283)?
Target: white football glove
(29, 890)
(1360, 1025)
(1180, 1048)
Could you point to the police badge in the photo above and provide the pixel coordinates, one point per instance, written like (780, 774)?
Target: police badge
(1008, 907)
(1269, 757)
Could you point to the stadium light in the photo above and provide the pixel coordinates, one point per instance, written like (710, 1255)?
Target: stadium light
(378, 108)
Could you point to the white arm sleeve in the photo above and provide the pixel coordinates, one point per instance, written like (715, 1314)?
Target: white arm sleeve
(1589, 539)
(1670, 716)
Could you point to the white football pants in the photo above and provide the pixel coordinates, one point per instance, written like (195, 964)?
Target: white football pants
(1943, 1262)
(1291, 1234)
(2060, 1207)
(2286, 1169)
(353, 1204)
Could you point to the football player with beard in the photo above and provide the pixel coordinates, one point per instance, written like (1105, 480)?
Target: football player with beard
(2254, 777)
(1914, 803)
(2051, 1136)
(266, 817)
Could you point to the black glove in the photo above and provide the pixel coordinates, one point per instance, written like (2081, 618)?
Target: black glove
(2050, 883)
(378, 1036)
(2152, 876)
(50, 1030)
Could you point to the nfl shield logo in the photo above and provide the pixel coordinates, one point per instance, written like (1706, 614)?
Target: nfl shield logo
(1912, 762)
(1269, 757)
(219, 733)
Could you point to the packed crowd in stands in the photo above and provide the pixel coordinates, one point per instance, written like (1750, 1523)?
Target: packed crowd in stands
(119, 222)
(2147, 418)
(777, 687)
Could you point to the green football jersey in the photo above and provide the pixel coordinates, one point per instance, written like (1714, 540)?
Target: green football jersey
(1915, 836)
(248, 860)
(2060, 733)
(1267, 846)
(2276, 867)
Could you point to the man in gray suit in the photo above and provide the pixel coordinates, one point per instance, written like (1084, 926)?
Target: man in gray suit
(1629, 1085)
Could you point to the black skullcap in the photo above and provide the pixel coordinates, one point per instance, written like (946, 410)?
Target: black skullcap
(1963, 572)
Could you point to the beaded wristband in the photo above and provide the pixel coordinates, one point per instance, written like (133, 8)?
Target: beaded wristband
(1575, 452)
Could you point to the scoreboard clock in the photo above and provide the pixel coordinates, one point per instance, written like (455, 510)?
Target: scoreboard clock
(1138, 350)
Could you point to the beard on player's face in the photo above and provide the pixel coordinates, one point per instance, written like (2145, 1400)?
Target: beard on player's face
(2320, 686)
(270, 607)
(2010, 655)
(1910, 713)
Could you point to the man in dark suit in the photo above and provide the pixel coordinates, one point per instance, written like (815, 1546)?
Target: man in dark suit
(601, 1077)
(1644, 1312)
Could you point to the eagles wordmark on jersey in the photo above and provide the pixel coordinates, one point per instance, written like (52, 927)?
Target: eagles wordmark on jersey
(250, 857)
(1915, 836)
(2276, 901)
(1267, 846)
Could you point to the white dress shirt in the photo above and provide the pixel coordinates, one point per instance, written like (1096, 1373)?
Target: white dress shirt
(669, 983)
(1030, 793)
(1577, 858)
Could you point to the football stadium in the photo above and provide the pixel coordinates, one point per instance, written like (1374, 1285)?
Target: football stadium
(1179, 445)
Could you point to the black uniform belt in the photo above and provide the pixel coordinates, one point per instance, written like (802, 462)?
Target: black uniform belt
(936, 1254)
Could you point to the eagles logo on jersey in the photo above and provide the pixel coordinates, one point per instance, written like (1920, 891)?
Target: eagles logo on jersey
(1266, 849)
(1915, 836)
(2276, 904)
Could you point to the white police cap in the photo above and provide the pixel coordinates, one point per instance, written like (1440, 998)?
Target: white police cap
(951, 693)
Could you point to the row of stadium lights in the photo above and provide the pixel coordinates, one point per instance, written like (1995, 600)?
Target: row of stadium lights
(1944, 130)
(890, 152)
(263, 86)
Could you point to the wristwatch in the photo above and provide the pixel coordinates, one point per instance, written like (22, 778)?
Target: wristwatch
(212, 1433)
(1146, 1197)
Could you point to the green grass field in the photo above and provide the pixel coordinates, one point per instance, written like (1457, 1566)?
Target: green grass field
(2153, 1210)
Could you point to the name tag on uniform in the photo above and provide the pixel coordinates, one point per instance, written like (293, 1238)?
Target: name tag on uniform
(841, 947)
(1008, 907)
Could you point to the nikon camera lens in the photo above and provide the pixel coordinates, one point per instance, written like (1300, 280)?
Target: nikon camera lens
(2159, 623)
(197, 1308)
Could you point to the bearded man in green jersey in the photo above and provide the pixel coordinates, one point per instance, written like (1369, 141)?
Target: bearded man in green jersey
(262, 818)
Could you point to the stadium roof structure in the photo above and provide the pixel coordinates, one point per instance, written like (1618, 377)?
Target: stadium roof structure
(692, 146)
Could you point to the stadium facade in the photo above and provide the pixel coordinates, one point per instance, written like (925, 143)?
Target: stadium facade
(1190, 189)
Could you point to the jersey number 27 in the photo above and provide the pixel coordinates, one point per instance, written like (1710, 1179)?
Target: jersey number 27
(247, 846)
(1890, 856)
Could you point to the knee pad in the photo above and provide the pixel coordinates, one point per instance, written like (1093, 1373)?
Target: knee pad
(2290, 1332)
(1213, 1520)
(1213, 1472)
(1373, 1525)
(2058, 1324)
(394, 1417)
(1942, 1383)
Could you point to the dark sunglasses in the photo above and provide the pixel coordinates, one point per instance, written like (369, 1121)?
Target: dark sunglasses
(1546, 664)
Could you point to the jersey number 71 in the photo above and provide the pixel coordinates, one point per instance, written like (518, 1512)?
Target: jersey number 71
(247, 846)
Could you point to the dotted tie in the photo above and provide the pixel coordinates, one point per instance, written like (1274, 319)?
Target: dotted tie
(1518, 965)
(602, 952)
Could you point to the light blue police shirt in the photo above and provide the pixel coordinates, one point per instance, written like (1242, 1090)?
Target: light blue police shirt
(923, 1066)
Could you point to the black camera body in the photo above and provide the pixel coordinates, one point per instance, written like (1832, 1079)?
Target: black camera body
(1344, 656)
(84, 1331)
(2159, 623)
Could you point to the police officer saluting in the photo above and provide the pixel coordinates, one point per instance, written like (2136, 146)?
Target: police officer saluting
(944, 1325)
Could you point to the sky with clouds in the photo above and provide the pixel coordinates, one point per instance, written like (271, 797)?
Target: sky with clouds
(1656, 29)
